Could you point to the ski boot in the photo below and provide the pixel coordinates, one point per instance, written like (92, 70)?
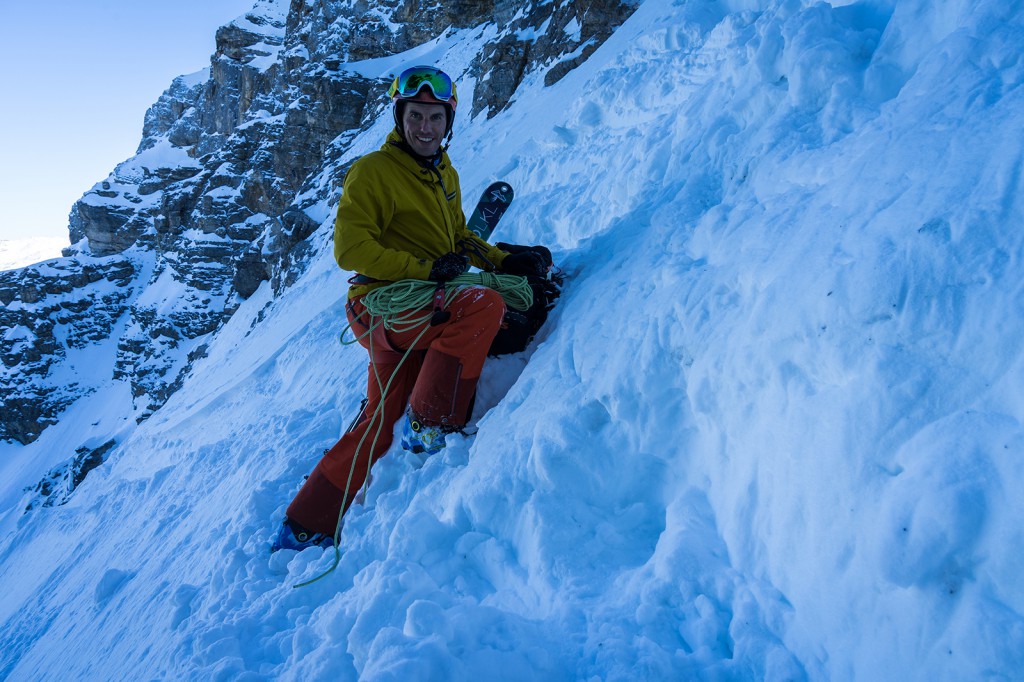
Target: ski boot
(418, 437)
(294, 536)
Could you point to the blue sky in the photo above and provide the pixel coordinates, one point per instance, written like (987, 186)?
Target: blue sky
(77, 79)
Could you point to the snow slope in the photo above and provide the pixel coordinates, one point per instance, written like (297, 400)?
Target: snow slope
(772, 431)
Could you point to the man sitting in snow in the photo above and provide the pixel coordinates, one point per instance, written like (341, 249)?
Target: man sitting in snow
(400, 217)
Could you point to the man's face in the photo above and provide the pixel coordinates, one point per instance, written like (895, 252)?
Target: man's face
(423, 125)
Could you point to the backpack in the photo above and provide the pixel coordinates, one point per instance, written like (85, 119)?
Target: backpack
(519, 327)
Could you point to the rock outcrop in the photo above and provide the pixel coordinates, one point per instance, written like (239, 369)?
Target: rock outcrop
(60, 482)
(48, 312)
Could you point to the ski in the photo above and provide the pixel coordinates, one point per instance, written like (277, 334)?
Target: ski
(492, 205)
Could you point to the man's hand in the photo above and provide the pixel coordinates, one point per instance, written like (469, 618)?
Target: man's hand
(526, 263)
(525, 260)
(448, 267)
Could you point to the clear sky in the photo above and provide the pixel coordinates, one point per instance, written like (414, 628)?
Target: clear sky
(76, 79)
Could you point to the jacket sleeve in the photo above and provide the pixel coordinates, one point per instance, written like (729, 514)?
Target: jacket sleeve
(494, 256)
(363, 212)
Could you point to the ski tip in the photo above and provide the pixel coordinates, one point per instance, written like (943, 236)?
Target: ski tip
(499, 191)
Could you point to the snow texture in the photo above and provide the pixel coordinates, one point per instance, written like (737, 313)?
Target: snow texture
(772, 431)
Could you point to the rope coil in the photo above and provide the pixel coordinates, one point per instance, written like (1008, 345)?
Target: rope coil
(402, 306)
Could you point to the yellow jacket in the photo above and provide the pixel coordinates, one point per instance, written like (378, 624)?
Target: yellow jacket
(396, 217)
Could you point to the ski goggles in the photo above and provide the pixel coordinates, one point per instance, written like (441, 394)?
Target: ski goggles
(414, 79)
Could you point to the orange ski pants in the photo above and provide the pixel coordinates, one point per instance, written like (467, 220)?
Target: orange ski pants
(437, 379)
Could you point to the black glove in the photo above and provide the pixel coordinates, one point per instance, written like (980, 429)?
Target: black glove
(518, 248)
(525, 263)
(447, 267)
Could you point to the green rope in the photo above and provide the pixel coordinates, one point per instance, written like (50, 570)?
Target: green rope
(403, 306)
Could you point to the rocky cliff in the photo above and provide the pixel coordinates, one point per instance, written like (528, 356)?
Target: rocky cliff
(238, 166)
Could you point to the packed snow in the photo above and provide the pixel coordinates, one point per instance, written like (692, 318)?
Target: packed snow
(772, 430)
